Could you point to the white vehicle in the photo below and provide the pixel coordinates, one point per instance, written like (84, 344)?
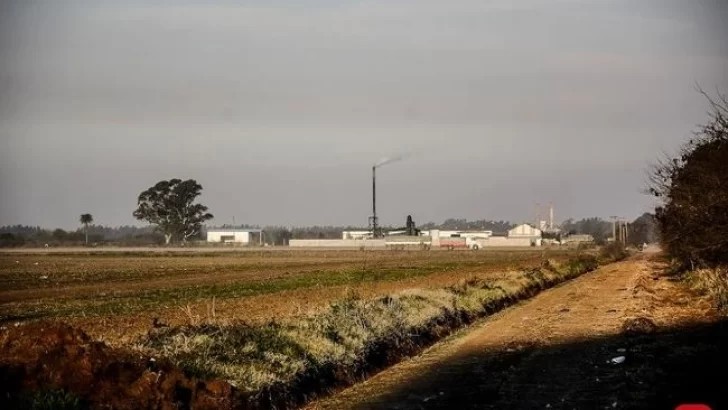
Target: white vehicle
(475, 243)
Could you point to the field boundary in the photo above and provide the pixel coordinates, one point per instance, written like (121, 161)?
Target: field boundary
(373, 334)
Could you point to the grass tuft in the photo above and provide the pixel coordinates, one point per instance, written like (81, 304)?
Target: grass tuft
(713, 283)
(46, 400)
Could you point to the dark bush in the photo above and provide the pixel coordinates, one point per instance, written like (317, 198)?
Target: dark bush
(693, 188)
(8, 240)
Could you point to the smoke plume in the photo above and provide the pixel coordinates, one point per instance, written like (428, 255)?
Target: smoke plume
(388, 160)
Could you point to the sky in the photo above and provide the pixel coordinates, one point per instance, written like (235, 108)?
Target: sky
(279, 108)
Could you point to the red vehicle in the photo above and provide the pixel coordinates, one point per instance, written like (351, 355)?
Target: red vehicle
(453, 243)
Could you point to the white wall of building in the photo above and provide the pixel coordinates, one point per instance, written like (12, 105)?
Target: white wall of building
(524, 230)
(479, 234)
(466, 234)
(507, 242)
(228, 236)
(356, 234)
(337, 243)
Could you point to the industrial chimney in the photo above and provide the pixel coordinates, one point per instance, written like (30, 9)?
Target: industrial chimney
(374, 220)
(551, 216)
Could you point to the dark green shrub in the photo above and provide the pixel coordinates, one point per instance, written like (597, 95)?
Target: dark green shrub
(693, 189)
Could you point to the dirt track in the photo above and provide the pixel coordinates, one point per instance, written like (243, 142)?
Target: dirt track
(553, 351)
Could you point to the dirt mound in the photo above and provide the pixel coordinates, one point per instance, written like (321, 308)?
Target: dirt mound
(639, 326)
(49, 356)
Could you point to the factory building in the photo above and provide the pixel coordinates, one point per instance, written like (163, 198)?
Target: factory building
(356, 235)
(233, 235)
(524, 235)
(524, 230)
(578, 238)
(464, 234)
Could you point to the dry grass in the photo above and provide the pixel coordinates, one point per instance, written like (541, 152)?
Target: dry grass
(713, 283)
(285, 362)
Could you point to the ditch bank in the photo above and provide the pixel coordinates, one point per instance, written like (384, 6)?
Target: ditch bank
(54, 366)
(279, 365)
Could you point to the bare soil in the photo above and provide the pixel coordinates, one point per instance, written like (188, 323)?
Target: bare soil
(50, 280)
(57, 356)
(556, 351)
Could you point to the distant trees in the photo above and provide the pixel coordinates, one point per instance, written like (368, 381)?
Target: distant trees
(598, 228)
(22, 235)
(86, 219)
(693, 189)
(170, 206)
(278, 235)
(500, 227)
(643, 230)
(10, 240)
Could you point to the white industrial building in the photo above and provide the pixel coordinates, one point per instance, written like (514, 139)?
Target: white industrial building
(579, 238)
(524, 230)
(356, 235)
(233, 235)
(463, 234)
(524, 235)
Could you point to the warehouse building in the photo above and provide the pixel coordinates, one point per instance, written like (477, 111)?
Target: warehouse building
(524, 235)
(234, 235)
(358, 235)
(524, 231)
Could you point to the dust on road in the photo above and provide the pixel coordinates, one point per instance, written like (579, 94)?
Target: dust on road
(554, 351)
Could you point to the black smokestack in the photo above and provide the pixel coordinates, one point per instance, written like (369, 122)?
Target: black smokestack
(375, 219)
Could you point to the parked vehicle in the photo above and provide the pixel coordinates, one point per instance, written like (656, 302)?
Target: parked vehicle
(462, 243)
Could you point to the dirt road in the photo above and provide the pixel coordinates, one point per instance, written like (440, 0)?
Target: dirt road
(556, 351)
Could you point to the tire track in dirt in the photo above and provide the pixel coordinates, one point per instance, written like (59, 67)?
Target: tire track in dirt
(507, 360)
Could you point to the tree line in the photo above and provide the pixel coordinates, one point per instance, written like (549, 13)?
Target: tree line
(35, 236)
(642, 229)
(174, 216)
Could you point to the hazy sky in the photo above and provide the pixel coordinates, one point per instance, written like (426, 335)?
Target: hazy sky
(279, 108)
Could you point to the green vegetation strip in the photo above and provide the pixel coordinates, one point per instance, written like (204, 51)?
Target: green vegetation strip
(283, 364)
(126, 303)
(51, 271)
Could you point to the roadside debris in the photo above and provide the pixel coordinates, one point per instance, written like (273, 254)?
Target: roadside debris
(618, 359)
